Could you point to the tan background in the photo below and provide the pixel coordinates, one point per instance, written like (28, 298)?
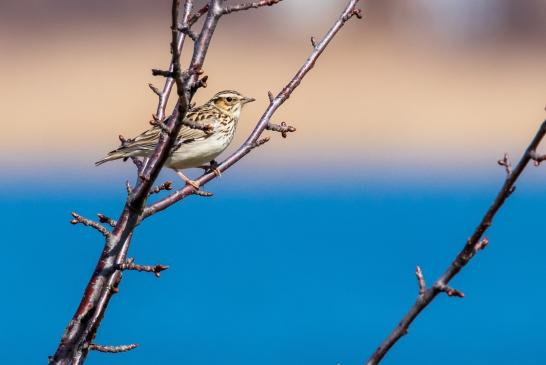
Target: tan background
(408, 86)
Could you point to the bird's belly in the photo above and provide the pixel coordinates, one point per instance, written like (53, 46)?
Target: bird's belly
(195, 154)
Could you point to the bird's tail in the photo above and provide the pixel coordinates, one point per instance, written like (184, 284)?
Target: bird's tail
(111, 156)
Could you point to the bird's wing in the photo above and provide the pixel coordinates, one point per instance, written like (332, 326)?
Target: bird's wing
(147, 140)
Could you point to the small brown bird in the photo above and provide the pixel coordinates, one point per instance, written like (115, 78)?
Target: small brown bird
(193, 147)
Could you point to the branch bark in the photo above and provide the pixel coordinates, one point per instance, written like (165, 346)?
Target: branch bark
(78, 338)
(474, 244)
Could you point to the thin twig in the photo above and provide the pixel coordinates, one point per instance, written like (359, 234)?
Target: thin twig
(112, 349)
(129, 264)
(89, 223)
(474, 244)
(420, 281)
(253, 5)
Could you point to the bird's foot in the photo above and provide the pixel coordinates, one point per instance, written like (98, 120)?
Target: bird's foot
(188, 181)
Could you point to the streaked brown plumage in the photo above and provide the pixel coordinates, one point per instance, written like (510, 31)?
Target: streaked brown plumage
(194, 147)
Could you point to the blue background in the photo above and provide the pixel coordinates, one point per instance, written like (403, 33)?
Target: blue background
(271, 272)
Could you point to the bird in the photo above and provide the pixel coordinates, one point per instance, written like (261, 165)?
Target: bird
(193, 147)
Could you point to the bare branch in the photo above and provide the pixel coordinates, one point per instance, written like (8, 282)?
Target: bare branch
(474, 244)
(275, 102)
(246, 6)
(283, 128)
(112, 349)
(89, 223)
(129, 264)
(82, 329)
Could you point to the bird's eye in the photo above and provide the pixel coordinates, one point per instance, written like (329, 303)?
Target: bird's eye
(229, 99)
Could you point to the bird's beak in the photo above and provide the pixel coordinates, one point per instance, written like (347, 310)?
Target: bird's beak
(248, 100)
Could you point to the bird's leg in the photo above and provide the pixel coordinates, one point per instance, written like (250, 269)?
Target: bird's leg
(187, 180)
(212, 167)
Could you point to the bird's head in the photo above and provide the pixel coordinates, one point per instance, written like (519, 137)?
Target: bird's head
(230, 101)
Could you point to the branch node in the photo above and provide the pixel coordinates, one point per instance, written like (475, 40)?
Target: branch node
(313, 42)
(205, 194)
(507, 163)
(112, 349)
(450, 291)
(89, 223)
(481, 245)
(107, 220)
(537, 159)
(128, 187)
(167, 185)
(259, 142)
(283, 128)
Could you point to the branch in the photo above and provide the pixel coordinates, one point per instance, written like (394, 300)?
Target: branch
(246, 6)
(474, 244)
(275, 102)
(82, 329)
(112, 349)
(89, 223)
(130, 265)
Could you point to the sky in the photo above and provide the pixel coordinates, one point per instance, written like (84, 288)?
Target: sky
(307, 251)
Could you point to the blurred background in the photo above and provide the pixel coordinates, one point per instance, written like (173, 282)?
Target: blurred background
(306, 253)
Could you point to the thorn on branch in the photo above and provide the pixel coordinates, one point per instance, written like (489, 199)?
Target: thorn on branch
(157, 72)
(537, 159)
(420, 281)
(130, 265)
(313, 42)
(167, 185)
(107, 220)
(89, 223)
(507, 163)
(112, 349)
(155, 90)
(450, 291)
(271, 97)
(283, 128)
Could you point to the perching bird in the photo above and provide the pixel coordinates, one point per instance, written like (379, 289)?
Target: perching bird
(193, 147)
